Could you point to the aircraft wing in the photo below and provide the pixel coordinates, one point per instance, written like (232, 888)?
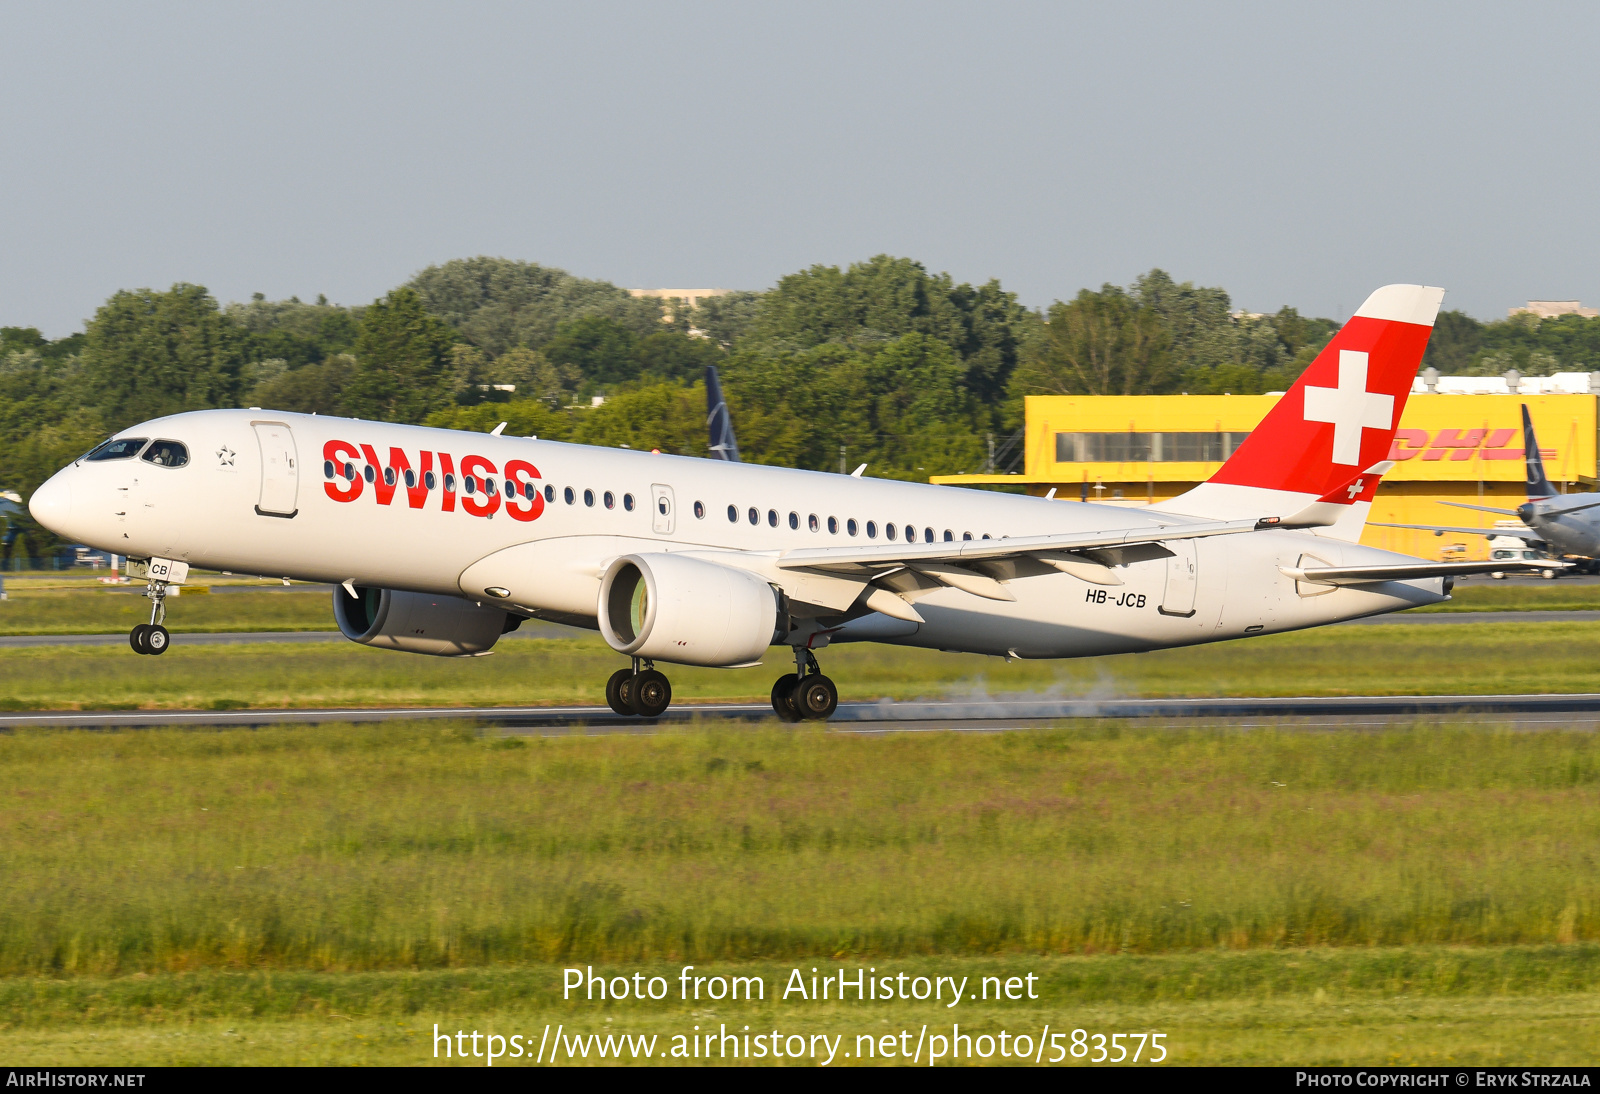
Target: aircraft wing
(1362, 575)
(873, 555)
(1487, 533)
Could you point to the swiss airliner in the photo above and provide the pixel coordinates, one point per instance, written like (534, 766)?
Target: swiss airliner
(439, 541)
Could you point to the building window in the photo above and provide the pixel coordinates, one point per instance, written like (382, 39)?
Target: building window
(1131, 447)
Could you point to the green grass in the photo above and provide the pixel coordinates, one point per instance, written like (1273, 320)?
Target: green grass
(326, 893)
(115, 610)
(1482, 595)
(1396, 659)
(1412, 1006)
(347, 848)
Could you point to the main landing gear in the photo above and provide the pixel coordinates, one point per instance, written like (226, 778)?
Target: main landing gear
(805, 694)
(639, 691)
(152, 637)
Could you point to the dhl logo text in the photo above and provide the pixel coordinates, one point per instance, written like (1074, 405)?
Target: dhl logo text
(480, 488)
(1459, 444)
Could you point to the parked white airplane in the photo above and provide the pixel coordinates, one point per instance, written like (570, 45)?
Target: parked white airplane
(441, 540)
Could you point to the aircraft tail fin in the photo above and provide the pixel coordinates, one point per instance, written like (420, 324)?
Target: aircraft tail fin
(1538, 485)
(1336, 419)
(718, 421)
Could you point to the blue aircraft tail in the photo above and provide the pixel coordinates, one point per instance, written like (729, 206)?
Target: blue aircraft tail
(1538, 485)
(723, 446)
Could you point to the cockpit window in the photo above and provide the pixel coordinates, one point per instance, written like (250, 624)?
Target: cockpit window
(118, 448)
(167, 454)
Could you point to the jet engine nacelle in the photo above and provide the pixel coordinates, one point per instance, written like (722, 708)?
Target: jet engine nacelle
(668, 607)
(444, 626)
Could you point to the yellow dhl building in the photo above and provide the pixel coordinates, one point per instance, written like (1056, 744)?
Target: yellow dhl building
(1139, 449)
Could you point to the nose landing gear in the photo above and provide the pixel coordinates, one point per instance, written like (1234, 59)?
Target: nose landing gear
(639, 691)
(805, 694)
(152, 637)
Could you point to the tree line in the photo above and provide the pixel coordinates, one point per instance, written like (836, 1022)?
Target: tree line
(880, 362)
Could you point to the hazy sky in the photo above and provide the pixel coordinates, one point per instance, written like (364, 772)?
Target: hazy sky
(1289, 153)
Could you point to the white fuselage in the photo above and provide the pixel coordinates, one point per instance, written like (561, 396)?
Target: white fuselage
(255, 497)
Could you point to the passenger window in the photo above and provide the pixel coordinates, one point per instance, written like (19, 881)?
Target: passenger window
(488, 487)
(429, 480)
(966, 536)
(889, 531)
(949, 536)
(388, 476)
(411, 478)
(772, 518)
(699, 510)
(794, 522)
(733, 515)
(166, 454)
(588, 498)
(549, 493)
(872, 529)
(449, 483)
(369, 474)
(569, 495)
(610, 500)
(811, 522)
(927, 535)
(851, 526)
(627, 502)
(327, 469)
(754, 515)
(911, 533)
(123, 448)
(350, 472)
(833, 526)
(986, 535)
(469, 484)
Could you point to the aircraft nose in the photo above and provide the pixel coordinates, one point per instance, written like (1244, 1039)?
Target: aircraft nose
(51, 504)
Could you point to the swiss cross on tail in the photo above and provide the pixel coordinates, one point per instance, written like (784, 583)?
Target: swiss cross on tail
(1340, 415)
(1350, 407)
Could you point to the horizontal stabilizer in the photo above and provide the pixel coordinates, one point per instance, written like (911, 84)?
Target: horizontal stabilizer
(1481, 508)
(1366, 575)
(1486, 533)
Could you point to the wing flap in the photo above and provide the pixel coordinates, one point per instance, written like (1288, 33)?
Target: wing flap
(852, 559)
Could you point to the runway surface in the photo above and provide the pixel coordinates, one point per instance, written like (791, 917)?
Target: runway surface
(551, 630)
(1014, 712)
